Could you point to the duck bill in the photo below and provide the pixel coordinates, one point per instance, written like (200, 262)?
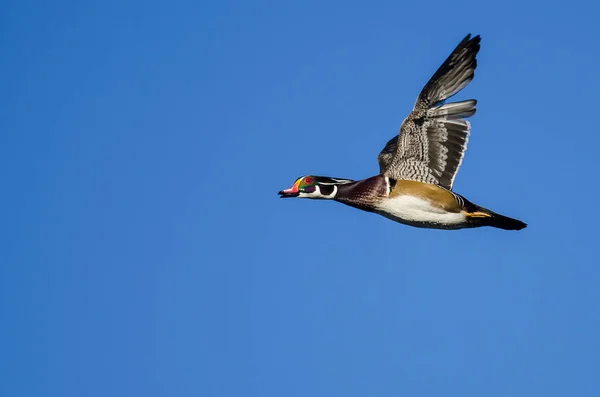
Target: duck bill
(291, 192)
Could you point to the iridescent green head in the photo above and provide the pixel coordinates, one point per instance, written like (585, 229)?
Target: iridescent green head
(316, 187)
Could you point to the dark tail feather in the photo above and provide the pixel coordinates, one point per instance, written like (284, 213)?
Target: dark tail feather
(480, 216)
(506, 223)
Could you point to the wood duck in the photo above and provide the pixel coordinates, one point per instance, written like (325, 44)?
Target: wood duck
(418, 166)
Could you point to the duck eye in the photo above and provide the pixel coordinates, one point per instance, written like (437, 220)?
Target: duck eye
(308, 180)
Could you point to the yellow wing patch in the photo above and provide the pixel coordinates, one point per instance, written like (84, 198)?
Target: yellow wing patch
(477, 214)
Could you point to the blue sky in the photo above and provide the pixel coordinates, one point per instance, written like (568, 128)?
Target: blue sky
(145, 251)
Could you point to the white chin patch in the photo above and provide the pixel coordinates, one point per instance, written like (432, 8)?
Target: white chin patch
(317, 194)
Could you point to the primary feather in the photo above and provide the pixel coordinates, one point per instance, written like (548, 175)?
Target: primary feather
(433, 138)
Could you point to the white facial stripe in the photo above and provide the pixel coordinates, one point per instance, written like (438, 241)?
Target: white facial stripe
(337, 181)
(335, 190)
(333, 193)
(318, 195)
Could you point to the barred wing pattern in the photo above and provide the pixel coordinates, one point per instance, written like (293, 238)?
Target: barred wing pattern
(433, 138)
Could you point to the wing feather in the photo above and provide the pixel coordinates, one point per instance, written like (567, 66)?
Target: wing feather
(433, 138)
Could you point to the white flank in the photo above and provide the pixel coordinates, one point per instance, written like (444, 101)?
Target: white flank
(418, 212)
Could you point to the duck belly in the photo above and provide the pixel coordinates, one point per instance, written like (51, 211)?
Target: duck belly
(419, 212)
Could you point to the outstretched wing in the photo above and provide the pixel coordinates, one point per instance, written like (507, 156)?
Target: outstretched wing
(433, 138)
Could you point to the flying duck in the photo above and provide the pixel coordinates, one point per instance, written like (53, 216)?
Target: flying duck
(417, 167)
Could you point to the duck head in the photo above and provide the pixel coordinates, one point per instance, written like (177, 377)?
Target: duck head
(315, 187)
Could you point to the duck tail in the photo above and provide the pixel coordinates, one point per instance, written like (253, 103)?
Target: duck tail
(480, 216)
(506, 223)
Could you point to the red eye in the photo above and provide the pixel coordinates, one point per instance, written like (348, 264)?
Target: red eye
(308, 180)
